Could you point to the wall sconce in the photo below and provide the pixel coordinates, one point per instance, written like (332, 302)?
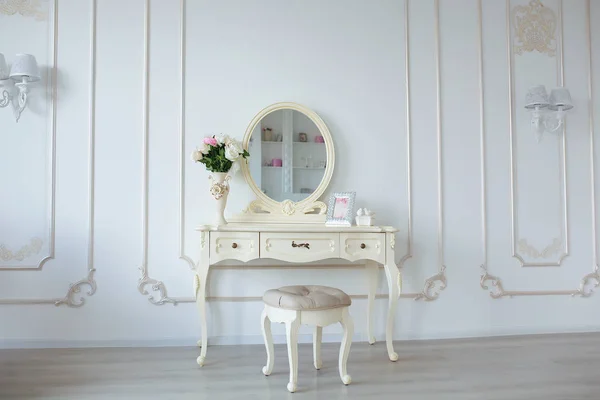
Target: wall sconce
(14, 85)
(547, 113)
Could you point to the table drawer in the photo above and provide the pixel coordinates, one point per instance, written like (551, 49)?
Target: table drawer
(363, 246)
(299, 247)
(242, 246)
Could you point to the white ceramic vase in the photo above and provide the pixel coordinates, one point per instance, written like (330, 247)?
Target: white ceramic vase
(219, 189)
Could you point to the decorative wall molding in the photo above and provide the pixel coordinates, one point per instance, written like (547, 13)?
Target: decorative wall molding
(26, 8)
(27, 250)
(438, 282)
(535, 23)
(74, 289)
(432, 286)
(535, 29)
(182, 130)
(546, 252)
(589, 282)
(158, 287)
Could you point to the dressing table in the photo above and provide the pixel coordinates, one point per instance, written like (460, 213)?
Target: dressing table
(287, 220)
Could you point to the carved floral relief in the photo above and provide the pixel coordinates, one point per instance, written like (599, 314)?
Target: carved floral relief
(26, 8)
(534, 29)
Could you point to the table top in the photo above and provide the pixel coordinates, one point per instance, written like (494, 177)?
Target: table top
(318, 228)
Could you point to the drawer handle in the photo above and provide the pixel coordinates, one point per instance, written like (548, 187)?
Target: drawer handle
(305, 245)
(234, 245)
(362, 246)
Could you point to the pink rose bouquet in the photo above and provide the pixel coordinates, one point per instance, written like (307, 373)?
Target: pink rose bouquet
(219, 153)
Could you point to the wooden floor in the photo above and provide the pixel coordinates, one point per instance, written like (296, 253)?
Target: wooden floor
(531, 367)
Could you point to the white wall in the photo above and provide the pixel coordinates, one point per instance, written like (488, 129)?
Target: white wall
(345, 60)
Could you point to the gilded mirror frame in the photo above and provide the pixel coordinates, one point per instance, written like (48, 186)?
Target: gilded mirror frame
(309, 209)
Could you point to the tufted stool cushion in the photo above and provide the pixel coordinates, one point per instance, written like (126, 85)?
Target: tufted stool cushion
(307, 298)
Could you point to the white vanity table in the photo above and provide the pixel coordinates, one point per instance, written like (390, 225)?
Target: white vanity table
(295, 232)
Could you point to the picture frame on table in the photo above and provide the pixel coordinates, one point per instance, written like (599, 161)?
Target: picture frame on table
(340, 210)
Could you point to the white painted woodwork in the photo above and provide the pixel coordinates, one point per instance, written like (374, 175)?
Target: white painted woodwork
(372, 270)
(347, 60)
(241, 246)
(28, 150)
(318, 319)
(311, 209)
(317, 339)
(309, 246)
(363, 246)
(313, 242)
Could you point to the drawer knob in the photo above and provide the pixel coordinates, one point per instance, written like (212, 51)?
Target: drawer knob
(362, 246)
(234, 245)
(305, 245)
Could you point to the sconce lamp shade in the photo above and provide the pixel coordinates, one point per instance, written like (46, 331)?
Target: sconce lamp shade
(3, 68)
(560, 98)
(537, 97)
(25, 66)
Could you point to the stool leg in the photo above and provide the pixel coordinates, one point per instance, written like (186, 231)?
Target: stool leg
(317, 336)
(266, 330)
(291, 330)
(348, 326)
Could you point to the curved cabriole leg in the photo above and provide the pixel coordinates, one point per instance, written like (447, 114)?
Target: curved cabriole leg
(317, 337)
(266, 330)
(372, 270)
(391, 271)
(201, 277)
(348, 326)
(291, 330)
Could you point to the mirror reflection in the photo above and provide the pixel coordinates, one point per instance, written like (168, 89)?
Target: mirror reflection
(288, 155)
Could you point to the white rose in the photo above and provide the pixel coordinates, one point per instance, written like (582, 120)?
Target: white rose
(235, 145)
(196, 155)
(222, 139)
(231, 153)
(203, 148)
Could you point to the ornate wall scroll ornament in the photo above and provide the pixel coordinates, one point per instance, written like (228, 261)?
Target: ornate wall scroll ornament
(157, 286)
(433, 286)
(534, 29)
(75, 288)
(497, 291)
(26, 8)
(592, 279)
(34, 247)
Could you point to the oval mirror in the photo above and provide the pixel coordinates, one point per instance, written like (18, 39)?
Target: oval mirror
(291, 160)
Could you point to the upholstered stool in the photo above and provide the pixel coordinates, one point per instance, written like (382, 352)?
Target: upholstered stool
(310, 305)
